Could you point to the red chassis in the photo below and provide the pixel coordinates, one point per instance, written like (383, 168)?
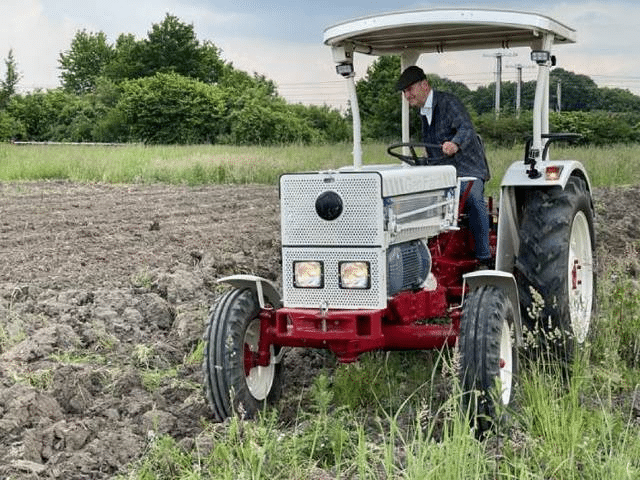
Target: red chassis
(412, 320)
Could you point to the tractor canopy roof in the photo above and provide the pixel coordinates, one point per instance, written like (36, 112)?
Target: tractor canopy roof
(443, 30)
(410, 34)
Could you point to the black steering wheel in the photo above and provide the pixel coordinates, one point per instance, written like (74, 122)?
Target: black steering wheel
(414, 159)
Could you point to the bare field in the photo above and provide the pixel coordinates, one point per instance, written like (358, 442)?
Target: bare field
(104, 291)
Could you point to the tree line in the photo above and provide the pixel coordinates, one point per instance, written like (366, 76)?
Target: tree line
(168, 88)
(602, 115)
(171, 88)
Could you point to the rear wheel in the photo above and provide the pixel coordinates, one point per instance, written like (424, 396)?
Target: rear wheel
(555, 268)
(233, 380)
(488, 355)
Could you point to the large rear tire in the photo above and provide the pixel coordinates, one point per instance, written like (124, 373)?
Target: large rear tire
(233, 381)
(555, 269)
(488, 355)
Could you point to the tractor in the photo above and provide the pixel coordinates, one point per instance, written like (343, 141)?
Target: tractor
(380, 257)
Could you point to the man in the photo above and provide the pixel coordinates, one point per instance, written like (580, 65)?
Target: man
(446, 123)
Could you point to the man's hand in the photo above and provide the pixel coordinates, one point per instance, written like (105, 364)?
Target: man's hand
(450, 148)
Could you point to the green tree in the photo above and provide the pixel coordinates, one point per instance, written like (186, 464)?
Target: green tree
(260, 120)
(84, 62)
(10, 128)
(331, 125)
(617, 100)
(239, 81)
(170, 46)
(127, 60)
(578, 92)
(11, 79)
(379, 102)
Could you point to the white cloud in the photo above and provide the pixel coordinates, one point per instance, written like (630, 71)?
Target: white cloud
(608, 39)
(36, 42)
(38, 30)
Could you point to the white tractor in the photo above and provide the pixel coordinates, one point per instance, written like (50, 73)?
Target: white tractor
(379, 257)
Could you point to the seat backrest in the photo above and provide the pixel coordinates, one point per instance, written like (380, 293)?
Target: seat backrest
(484, 156)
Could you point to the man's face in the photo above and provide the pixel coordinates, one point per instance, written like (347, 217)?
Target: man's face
(417, 93)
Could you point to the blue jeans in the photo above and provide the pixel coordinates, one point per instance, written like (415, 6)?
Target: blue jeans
(476, 208)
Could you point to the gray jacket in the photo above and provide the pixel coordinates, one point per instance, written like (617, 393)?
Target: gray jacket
(450, 121)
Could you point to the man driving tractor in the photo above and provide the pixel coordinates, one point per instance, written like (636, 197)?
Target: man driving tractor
(446, 122)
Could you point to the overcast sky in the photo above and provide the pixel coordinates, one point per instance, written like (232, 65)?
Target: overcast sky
(282, 39)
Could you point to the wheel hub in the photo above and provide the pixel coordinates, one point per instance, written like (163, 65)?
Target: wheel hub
(506, 363)
(259, 379)
(580, 277)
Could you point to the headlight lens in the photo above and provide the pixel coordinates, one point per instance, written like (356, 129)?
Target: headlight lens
(355, 275)
(308, 274)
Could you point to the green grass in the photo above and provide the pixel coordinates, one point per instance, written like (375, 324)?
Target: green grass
(203, 164)
(192, 165)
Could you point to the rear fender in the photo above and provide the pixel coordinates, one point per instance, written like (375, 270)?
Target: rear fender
(507, 283)
(266, 291)
(516, 180)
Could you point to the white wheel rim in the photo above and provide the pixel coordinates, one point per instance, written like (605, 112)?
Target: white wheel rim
(506, 363)
(260, 379)
(580, 277)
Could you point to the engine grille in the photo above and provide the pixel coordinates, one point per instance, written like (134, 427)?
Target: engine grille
(361, 223)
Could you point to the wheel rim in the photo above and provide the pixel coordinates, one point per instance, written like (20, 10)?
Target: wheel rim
(506, 363)
(259, 379)
(580, 277)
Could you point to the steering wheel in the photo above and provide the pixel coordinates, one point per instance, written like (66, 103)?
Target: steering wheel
(414, 159)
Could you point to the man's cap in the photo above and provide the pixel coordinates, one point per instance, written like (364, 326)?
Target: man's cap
(410, 76)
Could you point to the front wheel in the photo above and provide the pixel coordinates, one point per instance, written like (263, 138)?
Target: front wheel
(233, 381)
(488, 355)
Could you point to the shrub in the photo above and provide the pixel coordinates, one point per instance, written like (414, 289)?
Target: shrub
(169, 108)
(10, 128)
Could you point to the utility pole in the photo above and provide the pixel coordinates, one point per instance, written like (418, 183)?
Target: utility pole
(559, 95)
(518, 90)
(519, 68)
(498, 56)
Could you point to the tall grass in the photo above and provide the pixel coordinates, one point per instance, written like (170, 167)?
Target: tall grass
(558, 431)
(191, 165)
(194, 165)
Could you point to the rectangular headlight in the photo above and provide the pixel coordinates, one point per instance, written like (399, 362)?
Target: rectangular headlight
(355, 275)
(308, 274)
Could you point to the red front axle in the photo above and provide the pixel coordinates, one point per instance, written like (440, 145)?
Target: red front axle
(349, 333)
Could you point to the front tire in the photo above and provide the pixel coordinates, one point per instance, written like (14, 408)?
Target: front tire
(488, 355)
(555, 268)
(233, 381)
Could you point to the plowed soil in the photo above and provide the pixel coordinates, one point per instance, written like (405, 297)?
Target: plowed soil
(103, 285)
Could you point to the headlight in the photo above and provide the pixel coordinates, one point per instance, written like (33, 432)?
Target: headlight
(355, 275)
(308, 275)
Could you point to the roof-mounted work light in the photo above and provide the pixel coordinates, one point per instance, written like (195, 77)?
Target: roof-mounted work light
(345, 69)
(541, 57)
